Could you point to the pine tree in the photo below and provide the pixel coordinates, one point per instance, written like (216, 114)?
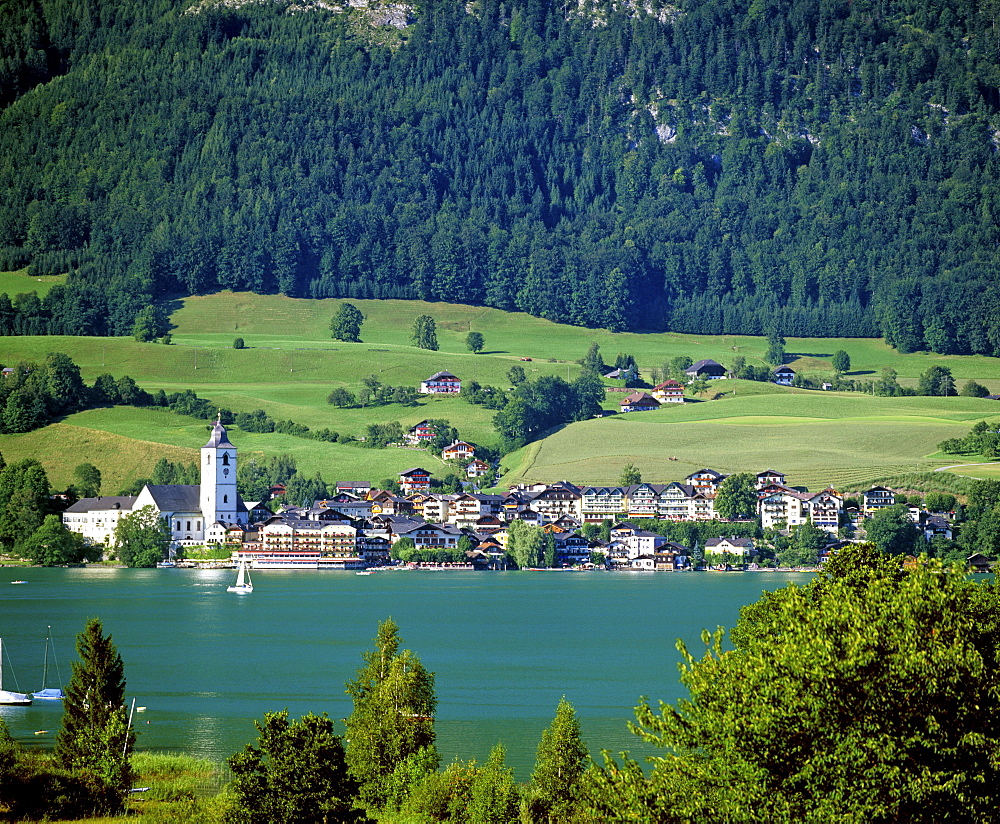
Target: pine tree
(95, 736)
(559, 765)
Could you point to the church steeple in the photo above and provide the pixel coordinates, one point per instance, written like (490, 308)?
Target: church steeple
(219, 499)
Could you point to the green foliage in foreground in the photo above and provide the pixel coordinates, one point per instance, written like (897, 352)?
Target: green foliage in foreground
(866, 695)
(297, 773)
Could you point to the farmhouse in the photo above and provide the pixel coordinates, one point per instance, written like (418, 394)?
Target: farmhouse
(706, 370)
(783, 375)
(441, 383)
(639, 402)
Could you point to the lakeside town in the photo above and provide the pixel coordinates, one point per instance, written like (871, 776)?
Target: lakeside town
(557, 525)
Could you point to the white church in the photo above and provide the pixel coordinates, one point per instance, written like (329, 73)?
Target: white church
(197, 513)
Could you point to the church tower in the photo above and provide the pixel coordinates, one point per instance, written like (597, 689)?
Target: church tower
(219, 501)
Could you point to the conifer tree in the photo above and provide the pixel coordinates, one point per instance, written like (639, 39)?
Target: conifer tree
(559, 766)
(391, 730)
(95, 736)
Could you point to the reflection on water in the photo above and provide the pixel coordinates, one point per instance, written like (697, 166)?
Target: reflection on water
(504, 647)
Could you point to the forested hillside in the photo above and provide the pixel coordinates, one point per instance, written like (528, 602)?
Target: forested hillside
(815, 167)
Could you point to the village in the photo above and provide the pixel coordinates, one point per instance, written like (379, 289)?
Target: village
(361, 527)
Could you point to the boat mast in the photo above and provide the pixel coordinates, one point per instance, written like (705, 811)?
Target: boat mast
(45, 667)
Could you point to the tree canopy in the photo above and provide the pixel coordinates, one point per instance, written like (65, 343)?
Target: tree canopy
(864, 695)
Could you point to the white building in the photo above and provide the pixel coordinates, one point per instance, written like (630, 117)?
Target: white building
(195, 513)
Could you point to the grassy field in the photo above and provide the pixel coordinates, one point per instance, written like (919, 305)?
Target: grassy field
(291, 365)
(17, 283)
(815, 438)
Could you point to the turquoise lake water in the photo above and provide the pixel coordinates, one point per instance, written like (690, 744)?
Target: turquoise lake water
(504, 647)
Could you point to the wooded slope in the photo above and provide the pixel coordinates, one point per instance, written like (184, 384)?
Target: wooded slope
(822, 167)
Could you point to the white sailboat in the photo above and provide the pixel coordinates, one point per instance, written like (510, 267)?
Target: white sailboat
(6, 697)
(243, 583)
(49, 693)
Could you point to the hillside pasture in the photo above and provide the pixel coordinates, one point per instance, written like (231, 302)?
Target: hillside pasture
(817, 439)
(21, 283)
(291, 365)
(125, 443)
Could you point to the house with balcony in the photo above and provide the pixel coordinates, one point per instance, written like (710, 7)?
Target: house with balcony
(414, 480)
(458, 451)
(639, 402)
(599, 503)
(420, 433)
(876, 498)
(783, 376)
(441, 383)
(739, 547)
(705, 480)
(670, 391)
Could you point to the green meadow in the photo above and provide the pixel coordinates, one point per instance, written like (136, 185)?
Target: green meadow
(20, 283)
(291, 364)
(840, 439)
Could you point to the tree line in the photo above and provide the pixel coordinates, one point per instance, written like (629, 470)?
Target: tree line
(825, 168)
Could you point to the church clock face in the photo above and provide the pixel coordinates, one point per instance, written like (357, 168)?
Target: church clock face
(225, 472)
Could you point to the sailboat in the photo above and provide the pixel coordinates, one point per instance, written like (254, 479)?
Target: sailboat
(6, 697)
(49, 693)
(243, 583)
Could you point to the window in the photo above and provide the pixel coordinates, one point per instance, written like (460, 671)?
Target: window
(208, 459)
(188, 524)
(225, 499)
(177, 525)
(225, 459)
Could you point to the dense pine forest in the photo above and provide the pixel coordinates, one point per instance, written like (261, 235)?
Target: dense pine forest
(812, 167)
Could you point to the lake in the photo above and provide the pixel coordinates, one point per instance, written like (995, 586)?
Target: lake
(504, 647)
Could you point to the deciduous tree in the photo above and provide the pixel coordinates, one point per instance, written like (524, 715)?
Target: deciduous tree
(296, 773)
(142, 538)
(841, 361)
(737, 497)
(630, 475)
(475, 342)
(88, 479)
(346, 324)
(864, 695)
(424, 334)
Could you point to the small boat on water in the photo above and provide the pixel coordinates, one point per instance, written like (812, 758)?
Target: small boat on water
(243, 585)
(49, 693)
(19, 582)
(17, 699)
(165, 564)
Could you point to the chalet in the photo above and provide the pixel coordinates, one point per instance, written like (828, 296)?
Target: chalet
(876, 498)
(783, 375)
(600, 502)
(705, 480)
(669, 392)
(742, 547)
(671, 556)
(936, 525)
(432, 536)
(639, 402)
(441, 383)
(770, 477)
(476, 468)
(420, 433)
(706, 370)
(458, 451)
(414, 480)
(979, 563)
